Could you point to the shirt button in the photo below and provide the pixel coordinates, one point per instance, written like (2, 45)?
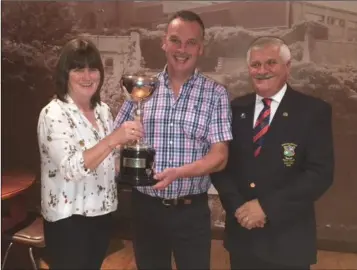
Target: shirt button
(252, 185)
(170, 142)
(171, 124)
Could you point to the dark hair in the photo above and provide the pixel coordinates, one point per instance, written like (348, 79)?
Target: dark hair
(78, 53)
(190, 16)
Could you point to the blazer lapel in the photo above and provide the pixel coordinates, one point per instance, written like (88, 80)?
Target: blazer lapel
(243, 115)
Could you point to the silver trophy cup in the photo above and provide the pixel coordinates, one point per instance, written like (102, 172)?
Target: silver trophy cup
(137, 160)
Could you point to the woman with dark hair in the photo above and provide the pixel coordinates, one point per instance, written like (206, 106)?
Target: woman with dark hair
(76, 140)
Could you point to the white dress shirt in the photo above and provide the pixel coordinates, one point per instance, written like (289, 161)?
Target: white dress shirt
(276, 99)
(67, 187)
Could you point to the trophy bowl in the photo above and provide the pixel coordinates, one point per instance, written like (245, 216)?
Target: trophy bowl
(137, 160)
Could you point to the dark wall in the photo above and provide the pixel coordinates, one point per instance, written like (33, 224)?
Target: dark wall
(20, 108)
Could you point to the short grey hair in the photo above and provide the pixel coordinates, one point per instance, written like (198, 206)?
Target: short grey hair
(261, 42)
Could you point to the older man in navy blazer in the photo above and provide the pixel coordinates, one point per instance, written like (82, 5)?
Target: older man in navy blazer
(280, 162)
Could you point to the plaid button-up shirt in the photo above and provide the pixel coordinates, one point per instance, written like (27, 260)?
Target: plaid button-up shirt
(182, 129)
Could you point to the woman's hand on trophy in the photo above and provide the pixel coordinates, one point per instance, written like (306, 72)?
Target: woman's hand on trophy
(129, 131)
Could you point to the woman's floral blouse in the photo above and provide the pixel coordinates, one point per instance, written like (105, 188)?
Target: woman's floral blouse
(67, 187)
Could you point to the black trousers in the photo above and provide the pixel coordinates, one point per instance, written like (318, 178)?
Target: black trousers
(78, 242)
(245, 261)
(183, 230)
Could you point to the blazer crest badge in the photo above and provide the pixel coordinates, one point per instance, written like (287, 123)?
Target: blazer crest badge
(289, 153)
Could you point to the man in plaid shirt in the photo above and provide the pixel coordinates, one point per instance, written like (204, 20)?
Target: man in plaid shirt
(188, 122)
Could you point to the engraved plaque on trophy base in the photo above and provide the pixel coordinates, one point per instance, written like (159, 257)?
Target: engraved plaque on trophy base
(137, 166)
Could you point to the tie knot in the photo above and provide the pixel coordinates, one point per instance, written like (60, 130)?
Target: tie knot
(267, 102)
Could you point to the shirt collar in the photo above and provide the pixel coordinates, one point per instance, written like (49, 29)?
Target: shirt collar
(73, 106)
(69, 99)
(277, 97)
(190, 79)
(70, 102)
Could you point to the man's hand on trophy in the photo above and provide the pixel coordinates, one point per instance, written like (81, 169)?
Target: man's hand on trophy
(165, 178)
(127, 132)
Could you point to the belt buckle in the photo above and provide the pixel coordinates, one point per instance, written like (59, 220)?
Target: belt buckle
(166, 202)
(187, 201)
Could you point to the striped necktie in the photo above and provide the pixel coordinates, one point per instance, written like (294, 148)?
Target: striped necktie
(261, 126)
